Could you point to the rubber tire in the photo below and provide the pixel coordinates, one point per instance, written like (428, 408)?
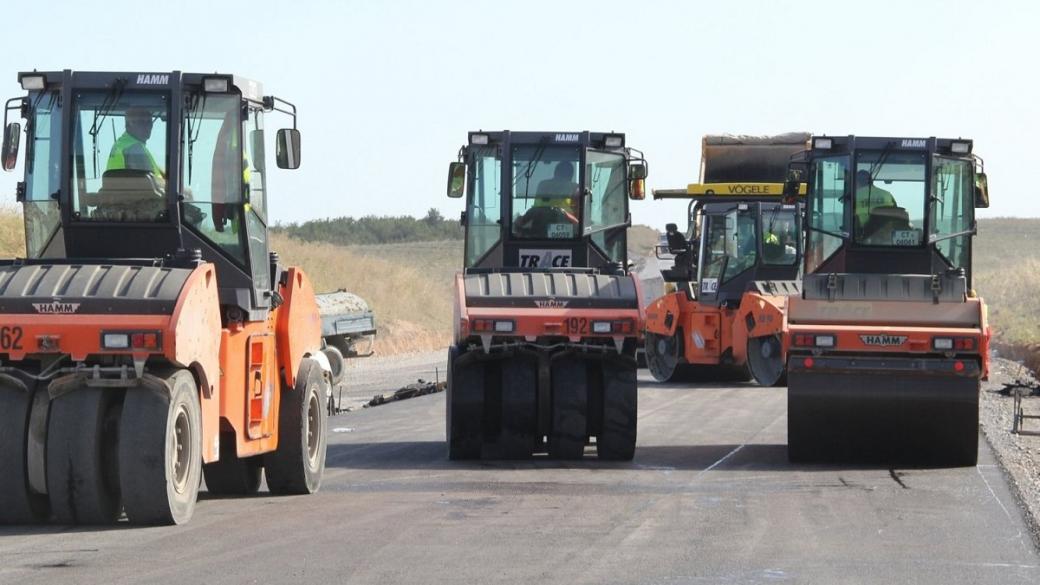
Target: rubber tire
(18, 504)
(570, 403)
(519, 409)
(146, 452)
(658, 363)
(232, 475)
(766, 374)
(80, 452)
(336, 362)
(617, 438)
(464, 408)
(290, 469)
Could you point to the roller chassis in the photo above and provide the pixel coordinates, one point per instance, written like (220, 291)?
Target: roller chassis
(547, 318)
(139, 352)
(887, 343)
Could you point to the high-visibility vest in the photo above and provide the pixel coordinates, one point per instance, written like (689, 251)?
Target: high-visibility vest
(129, 144)
(868, 198)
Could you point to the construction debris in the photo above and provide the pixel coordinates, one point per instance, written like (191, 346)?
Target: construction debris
(420, 388)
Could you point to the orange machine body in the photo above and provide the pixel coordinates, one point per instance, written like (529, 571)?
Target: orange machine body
(905, 328)
(714, 335)
(239, 367)
(554, 319)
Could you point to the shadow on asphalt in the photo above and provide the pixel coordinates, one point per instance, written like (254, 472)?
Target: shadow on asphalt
(432, 455)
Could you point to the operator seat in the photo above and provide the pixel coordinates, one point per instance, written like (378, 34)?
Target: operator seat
(883, 222)
(129, 195)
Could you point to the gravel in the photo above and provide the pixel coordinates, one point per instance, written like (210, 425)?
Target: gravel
(1018, 454)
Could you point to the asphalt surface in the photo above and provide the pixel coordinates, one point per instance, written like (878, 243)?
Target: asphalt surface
(710, 498)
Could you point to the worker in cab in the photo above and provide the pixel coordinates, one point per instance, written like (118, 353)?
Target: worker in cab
(869, 197)
(131, 150)
(560, 191)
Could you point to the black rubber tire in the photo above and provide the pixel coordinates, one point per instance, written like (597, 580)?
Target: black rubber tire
(517, 437)
(570, 403)
(231, 475)
(336, 362)
(769, 369)
(617, 438)
(160, 452)
(18, 503)
(298, 464)
(464, 408)
(664, 356)
(81, 450)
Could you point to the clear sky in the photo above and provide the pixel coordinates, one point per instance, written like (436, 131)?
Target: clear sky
(387, 90)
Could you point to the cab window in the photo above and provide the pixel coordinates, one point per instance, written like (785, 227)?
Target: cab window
(119, 157)
(546, 192)
(213, 172)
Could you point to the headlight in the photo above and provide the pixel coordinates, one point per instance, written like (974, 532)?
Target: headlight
(33, 82)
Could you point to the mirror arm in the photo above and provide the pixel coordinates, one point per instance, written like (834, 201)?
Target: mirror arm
(270, 104)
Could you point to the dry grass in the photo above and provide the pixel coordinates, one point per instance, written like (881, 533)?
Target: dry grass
(1007, 276)
(408, 286)
(12, 232)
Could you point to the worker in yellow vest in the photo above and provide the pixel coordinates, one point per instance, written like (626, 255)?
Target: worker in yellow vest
(130, 150)
(868, 197)
(560, 191)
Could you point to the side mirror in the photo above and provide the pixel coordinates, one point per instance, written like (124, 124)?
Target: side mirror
(12, 137)
(981, 190)
(637, 189)
(287, 148)
(637, 171)
(456, 180)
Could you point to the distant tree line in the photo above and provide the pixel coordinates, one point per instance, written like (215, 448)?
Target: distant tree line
(375, 230)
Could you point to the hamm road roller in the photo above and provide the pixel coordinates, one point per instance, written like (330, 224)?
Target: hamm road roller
(887, 341)
(547, 315)
(733, 269)
(149, 336)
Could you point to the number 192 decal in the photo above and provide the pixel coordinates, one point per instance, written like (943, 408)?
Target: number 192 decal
(10, 338)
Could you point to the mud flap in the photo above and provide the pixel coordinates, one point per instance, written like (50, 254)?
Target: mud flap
(882, 417)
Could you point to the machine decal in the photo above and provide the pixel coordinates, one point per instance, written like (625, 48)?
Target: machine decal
(530, 258)
(709, 285)
(561, 230)
(906, 237)
(885, 340)
(577, 326)
(153, 79)
(10, 338)
(567, 138)
(56, 308)
(698, 340)
(913, 143)
(550, 304)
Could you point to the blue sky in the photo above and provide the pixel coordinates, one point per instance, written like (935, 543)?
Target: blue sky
(387, 90)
